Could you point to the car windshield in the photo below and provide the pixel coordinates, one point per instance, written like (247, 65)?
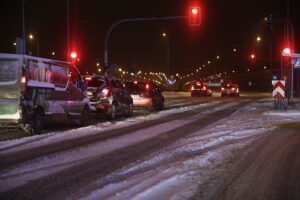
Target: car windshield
(137, 87)
(95, 82)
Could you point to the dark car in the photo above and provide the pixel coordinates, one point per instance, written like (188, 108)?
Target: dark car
(107, 95)
(146, 94)
(230, 89)
(200, 89)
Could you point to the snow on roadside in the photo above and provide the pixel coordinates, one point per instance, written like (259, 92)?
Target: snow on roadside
(176, 171)
(38, 140)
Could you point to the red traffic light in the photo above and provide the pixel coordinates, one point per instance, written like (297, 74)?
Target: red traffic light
(287, 50)
(194, 16)
(73, 55)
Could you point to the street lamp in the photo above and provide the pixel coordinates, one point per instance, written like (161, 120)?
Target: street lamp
(258, 39)
(31, 37)
(168, 51)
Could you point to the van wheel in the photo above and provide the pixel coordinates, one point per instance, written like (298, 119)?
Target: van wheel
(152, 107)
(84, 116)
(37, 121)
(111, 114)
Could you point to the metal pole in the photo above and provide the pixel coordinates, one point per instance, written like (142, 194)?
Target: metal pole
(37, 48)
(68, 29)
(24, 36)
(130, 20)
(168, 55)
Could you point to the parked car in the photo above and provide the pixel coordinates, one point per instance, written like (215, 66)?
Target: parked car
(146, 94)
(200, 89)
(35, 90)
(229, 89)
(108, 96)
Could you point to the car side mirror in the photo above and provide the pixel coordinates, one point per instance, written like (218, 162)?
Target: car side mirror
(159, 89)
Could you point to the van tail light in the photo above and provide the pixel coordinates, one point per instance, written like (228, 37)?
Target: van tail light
(23, 80)
(105, 92)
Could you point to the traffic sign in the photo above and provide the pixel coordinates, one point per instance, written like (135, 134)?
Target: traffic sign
(296, 62)
(278, 88)
(214, 84)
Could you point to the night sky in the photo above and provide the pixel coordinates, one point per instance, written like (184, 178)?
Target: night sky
(226, 24)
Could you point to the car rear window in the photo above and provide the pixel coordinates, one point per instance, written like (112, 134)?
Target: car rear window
(198, 86)
(136, 87)
(95, 82)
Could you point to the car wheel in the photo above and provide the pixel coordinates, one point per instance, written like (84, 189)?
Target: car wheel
(37, 121)
(129, 110)
(84, 117)
(112, 112)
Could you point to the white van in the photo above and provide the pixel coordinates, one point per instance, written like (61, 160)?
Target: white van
(33, 90)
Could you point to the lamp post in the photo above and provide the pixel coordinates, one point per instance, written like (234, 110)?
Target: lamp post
(168, 52)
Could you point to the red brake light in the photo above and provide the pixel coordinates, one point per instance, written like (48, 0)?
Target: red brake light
(135, 82)
(233, 88)
(105, 92)
(88, 78)
(192, 88)
(222, 89)
(23, 79)
(147, 86)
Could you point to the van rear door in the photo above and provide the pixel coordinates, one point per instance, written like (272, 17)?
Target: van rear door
(10, 87)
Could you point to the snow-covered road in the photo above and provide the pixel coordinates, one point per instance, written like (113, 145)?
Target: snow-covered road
(182, 150)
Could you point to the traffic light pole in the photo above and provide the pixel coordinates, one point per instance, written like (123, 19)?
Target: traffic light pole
(130, 20)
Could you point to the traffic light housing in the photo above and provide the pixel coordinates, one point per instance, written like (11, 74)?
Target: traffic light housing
(286, 59)
(270, 22)
(194, 16)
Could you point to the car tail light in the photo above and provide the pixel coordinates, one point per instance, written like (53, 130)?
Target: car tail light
(147, 86)
(88, 78)
(192, 88)
(204, 88)
(135, 82)
(233, 89)
(105, 92)
(222, 89)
